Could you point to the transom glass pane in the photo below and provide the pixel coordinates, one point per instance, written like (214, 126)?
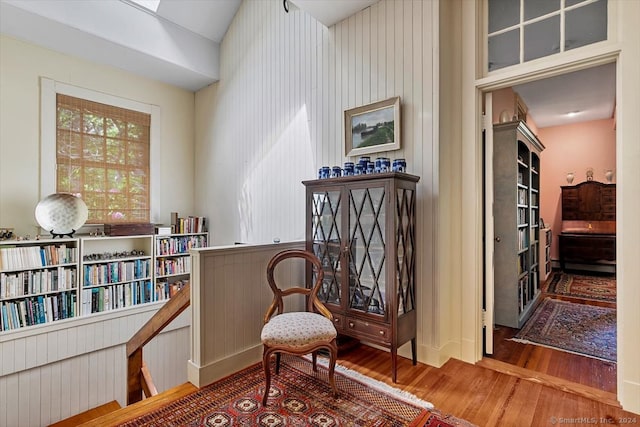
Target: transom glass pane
(542, 38)
(586, 25)
(503, 14)
(504, 50)
(535, 8)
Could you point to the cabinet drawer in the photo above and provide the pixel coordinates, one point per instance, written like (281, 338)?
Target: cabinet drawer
(338, 321)
(378, 331)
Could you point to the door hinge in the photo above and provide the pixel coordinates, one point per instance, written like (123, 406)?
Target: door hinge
(484, 318)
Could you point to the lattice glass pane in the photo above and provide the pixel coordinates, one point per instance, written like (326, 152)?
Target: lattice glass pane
(367, 289)
(586, 25)
(325, 233)
(504, 49)
(405, 262)
(542, 38)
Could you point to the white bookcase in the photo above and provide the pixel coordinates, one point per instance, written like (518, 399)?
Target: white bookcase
(43, 281)
(38, 282)
(172, 261)
(117, 272)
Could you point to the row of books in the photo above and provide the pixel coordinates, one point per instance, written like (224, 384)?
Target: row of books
(17, 257)
(523, 239)
(165, 267)
(117, 271)
(522, 196)
(179, 245)
(191, 224)
(37, 310)
(96, 300)
(166, 289)
(36, 282)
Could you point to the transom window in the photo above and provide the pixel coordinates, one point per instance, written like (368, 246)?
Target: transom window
(524, 30)
(103, 155)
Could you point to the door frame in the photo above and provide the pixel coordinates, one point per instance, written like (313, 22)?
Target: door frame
(620, 48)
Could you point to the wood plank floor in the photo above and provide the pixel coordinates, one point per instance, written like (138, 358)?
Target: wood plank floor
(484, 396)
(571, 367)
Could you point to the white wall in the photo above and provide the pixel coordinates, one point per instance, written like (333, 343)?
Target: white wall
(276, 116)
(21, 66)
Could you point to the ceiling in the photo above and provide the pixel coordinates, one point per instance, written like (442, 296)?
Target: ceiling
(180, 45)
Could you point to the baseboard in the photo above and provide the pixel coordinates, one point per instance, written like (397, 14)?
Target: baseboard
(200, 376)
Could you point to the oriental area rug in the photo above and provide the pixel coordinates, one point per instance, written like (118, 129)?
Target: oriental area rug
(298, 397)
(598, 288)
(576, 328)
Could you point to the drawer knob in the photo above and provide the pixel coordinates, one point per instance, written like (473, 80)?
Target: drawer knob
(351, 325)
(381, 332)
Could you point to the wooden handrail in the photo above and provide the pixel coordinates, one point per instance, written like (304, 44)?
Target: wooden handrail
(138, 377)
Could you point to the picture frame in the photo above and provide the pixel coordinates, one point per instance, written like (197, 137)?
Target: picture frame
(372, 128)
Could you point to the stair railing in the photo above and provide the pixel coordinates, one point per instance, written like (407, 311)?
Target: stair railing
(138, 377)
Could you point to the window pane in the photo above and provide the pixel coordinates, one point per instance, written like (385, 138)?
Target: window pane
(535, 8)
(503, 14)
(568, 3)
(115, 152)
(504, 50)
(542, 38)
(586, 25)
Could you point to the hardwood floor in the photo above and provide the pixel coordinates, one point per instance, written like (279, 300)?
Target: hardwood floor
(571, 367)
(487, 397)
(483, 396)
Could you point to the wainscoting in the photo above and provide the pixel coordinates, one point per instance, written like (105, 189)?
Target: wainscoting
(55, 371)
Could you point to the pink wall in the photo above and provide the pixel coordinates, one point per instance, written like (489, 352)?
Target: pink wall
(572, 148)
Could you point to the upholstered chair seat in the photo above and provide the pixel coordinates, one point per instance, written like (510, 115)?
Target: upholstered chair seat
(297, 330)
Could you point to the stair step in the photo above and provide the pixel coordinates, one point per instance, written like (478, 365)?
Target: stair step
(137, 409)
(89, 415)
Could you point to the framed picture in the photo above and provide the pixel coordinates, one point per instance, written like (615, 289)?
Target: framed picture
(372, 128)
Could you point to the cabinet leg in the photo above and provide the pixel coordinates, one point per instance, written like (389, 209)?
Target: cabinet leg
(414, 355)
(394, 364)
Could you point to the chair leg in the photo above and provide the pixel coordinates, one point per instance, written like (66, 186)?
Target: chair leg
(277, 363)
(333, 355)
(267, 374)
(314, 359)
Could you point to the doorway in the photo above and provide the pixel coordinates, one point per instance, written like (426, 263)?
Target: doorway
(578, 140)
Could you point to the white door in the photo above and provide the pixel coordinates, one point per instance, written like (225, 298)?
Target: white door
(487, 317)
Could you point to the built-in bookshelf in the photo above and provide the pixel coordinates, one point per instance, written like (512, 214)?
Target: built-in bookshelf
(116, 273)
(43, 281)
(173, 261)
(545, 253)
(38, 282)
(516, 170)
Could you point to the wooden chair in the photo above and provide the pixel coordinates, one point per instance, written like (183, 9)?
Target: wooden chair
(297, 333)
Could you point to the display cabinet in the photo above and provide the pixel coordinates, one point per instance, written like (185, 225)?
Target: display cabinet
(173, 261)
(363, 230)
(516, 215)
(38, 282)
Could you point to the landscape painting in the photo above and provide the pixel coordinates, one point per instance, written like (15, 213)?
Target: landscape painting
(373, 128)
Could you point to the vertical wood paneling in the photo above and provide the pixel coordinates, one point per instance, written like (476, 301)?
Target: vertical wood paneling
(274, 65)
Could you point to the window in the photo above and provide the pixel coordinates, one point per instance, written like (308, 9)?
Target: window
(102, 155)
(524, 30)
(103, 148)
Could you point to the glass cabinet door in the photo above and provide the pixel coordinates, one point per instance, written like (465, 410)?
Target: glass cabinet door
(326, 218)
(366, 254)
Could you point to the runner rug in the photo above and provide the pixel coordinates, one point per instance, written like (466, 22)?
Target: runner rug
(598, 288)
(298, 397)
(576, 328)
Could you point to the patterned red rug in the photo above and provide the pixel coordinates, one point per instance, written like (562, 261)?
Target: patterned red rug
(598, 288)
(577, 328)
(298, 397)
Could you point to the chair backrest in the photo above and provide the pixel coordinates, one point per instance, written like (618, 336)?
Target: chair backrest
(313, 303)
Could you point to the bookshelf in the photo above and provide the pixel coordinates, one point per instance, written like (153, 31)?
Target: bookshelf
(516, 211)
(38, 282)
(116, 273)
(172, 261)
(545, 253)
